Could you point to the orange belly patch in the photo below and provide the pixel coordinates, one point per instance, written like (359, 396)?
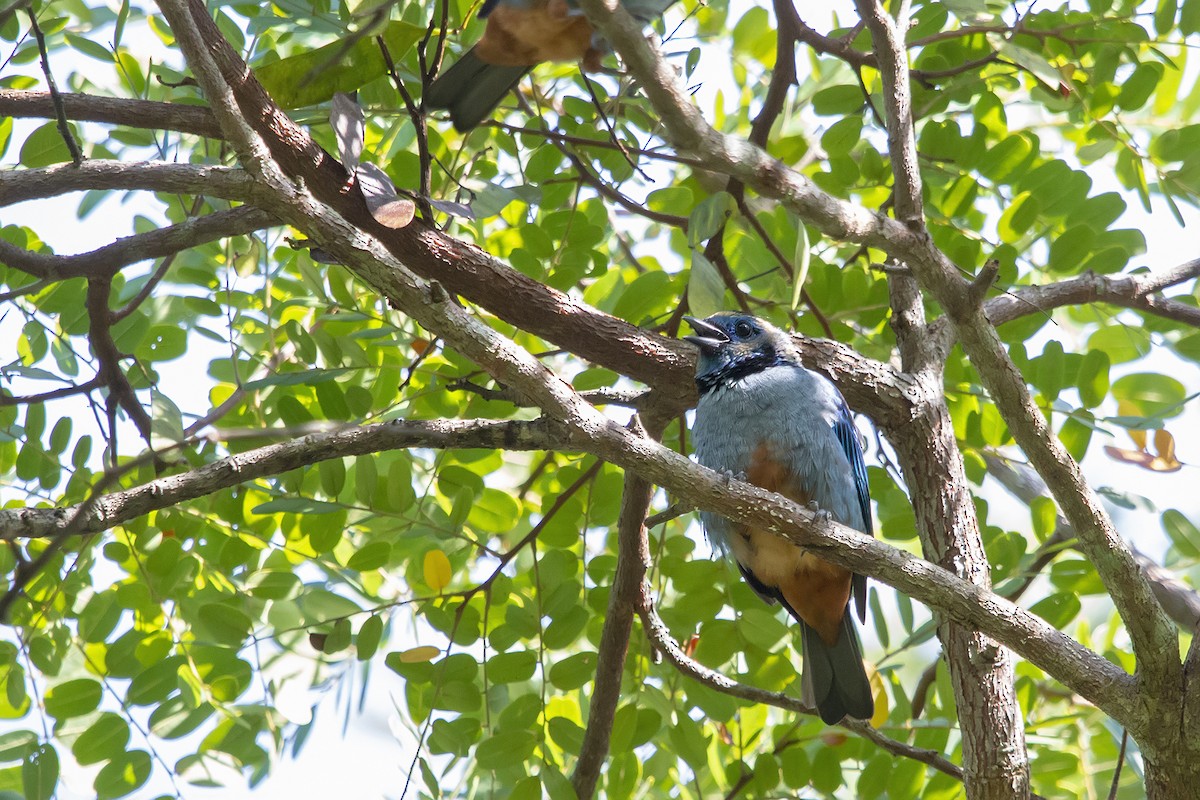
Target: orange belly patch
(523, 37)
(817, 590)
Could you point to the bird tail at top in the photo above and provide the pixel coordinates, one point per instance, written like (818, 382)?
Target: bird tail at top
(835, 680)
(471, 89)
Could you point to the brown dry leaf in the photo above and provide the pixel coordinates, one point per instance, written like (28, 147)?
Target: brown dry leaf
(386, 206)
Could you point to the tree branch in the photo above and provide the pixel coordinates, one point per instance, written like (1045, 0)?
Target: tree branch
(1136, 291)
(60, 115)
(112, 111)
(633, 559)
(227, 183)
(120, 507)
(660, 637)
(108, 260)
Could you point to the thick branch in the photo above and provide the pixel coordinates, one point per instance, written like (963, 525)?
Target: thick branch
(113, 111)
(1138, 291)
(119, 507)
(108, 260)
(228, 183)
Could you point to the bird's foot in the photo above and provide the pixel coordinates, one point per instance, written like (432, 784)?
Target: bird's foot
(821, 514)
(729, 476)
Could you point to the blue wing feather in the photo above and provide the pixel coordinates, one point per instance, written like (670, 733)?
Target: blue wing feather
(847, 436)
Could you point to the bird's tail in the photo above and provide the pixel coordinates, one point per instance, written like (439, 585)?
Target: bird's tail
(835, 680)
(471, 89)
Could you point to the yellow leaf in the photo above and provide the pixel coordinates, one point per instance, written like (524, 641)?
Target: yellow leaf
(437, 570)
(879, 718)
(416, 655)
(1139, 457)
(1164, 443)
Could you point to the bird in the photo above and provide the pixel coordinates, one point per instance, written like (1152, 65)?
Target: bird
(767, 419)
(521, 34)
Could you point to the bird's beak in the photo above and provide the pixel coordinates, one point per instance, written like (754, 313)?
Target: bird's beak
(711, 337)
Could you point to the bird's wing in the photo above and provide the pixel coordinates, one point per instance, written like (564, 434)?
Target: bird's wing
(847, 436)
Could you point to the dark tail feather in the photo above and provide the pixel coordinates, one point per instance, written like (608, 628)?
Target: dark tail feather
(834, 679)
(471, 89)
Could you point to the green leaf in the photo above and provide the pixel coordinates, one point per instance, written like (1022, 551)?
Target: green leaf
(45, 146)
(1058, 609)
(316, 75)
(1075, 436)
(104, 739)
(295, 505)
(223, 623)
(1151, 394)
(73, 698)
(574, 671)
(1044, 514)
(801, 262)
(494, 511)
(369, 636)
(1092, 378)
(372, 556)
(17, 745)
(1120, 342)
(1185, 536)
(39, 773)
(689, 742)
(708, 217)
(123, 775)
(505, 750)
(706, 290)
(163, 343)
(511, 667)
(566, 734)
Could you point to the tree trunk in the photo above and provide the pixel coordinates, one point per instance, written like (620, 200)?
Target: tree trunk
(995, 764)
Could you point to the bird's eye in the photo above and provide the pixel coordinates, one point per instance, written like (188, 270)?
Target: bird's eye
(743, 329)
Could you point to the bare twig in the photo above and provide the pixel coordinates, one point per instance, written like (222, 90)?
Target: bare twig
(60, 114)
(633, 559)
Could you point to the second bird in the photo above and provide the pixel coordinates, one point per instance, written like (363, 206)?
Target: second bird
(768, 420)
(519, 35)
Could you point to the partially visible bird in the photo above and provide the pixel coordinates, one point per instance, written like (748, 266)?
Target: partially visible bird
(519, 35)
(787, 429)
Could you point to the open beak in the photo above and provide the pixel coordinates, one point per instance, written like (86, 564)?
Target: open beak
(710, 338)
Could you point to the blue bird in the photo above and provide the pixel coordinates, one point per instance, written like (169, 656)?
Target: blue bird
(787, 429)
(519, 35)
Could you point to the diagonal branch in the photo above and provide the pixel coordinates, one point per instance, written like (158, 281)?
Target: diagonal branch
(660, 637)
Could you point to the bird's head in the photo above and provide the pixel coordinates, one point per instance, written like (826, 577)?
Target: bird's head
(733, 346)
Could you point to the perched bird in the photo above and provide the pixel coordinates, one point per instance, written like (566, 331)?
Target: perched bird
(519, 35)
(765, 418)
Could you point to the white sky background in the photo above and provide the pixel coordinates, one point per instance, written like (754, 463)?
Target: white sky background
(369, 756)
